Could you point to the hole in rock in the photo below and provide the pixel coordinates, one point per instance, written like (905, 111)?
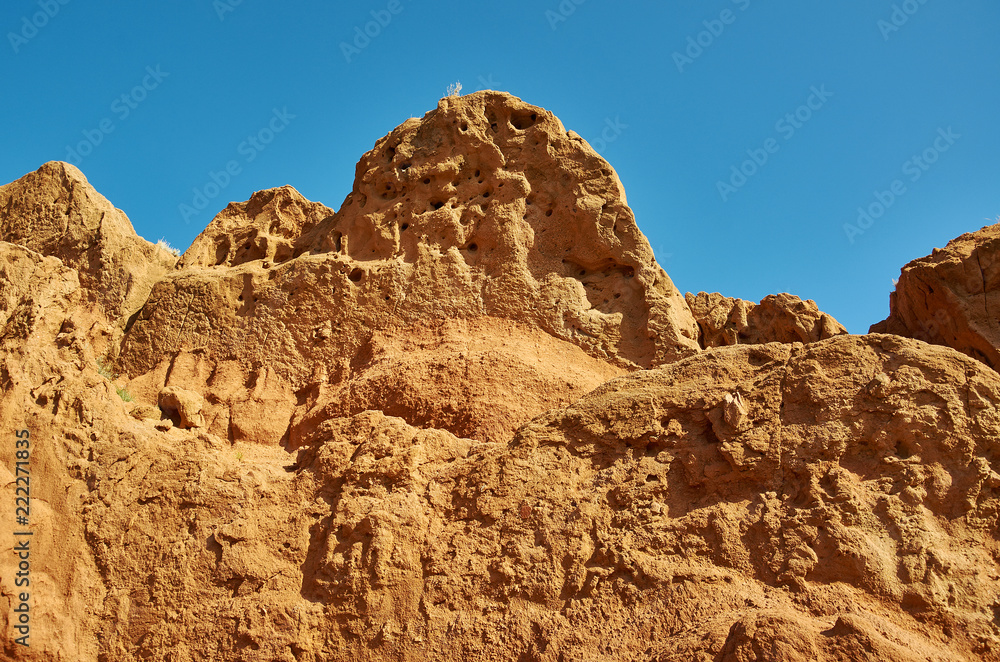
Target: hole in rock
(356, 275)
(522, 120)
(222, 252)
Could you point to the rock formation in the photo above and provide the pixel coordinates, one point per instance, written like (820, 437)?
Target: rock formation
(952, 297)
(777, 318)
(56, 212)
(468, 417)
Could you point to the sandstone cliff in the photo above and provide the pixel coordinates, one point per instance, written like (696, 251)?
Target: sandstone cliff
(467, 416)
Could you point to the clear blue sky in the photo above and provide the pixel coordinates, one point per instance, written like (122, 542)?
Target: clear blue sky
(682, 125)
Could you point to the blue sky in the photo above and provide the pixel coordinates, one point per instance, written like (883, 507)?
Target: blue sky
(822, 105)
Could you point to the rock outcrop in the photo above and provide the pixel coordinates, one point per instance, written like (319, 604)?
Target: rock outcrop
(56, 212)
(777, 318)
(952, 297)
(441, 424)
(486, 209)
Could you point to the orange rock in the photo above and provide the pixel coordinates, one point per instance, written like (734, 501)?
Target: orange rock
(184, 403)
(478, 466)
(56, 212)
(482, 379)
(952, 297)
(777, 318)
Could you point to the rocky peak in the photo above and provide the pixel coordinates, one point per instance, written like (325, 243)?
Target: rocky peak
(777, 318)
(266, 228)
(55, 211)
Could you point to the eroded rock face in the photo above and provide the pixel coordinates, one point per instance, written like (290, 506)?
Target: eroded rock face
(485, 207)
(56, 212)
(264, 229)
(49, 385)
(482, 379)
(848, 513)
(952, 297)
(777, 318)
(338, 438)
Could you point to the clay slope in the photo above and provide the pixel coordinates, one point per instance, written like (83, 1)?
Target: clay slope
(952, 297)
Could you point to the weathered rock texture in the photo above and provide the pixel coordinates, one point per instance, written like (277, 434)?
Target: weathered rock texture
(952, 297)
(777, 318)
(293, 467)
(56, 212)
(485, 207)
